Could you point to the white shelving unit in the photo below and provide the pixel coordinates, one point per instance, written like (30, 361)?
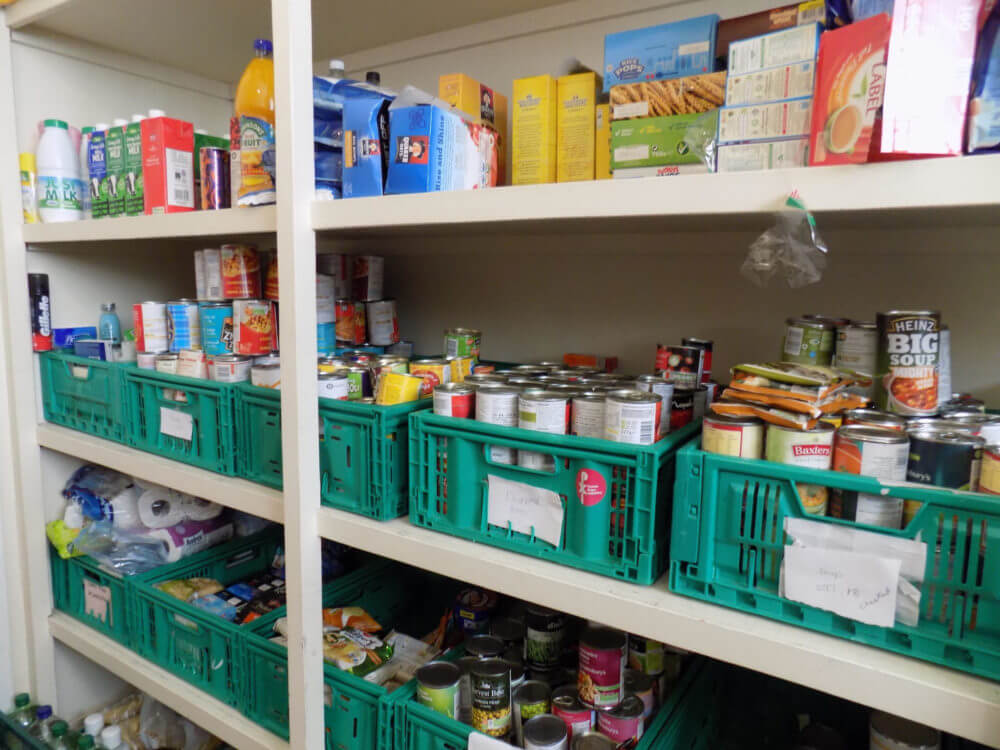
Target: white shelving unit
(611, 267)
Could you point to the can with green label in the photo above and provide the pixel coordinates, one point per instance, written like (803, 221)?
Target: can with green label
(808, 342)
(437, 687)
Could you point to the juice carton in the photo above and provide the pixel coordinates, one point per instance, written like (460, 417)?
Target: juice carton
(114, 162)
(134, 192)
(167, 165)
(682, 48)
(534, 125)
(478, 100)
(98, 175)
(576, 119)
(602, 143)
(203, 140)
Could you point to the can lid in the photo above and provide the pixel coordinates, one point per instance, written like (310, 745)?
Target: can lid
(438, 674)
(491, 667)
(544, 730)
(948, 438)
(484, 646)
(872, 434)
(26, 161)
(813, 322)
(61, 124)
(630, 707)
(531, 394)
(636, 397)
(532, 691)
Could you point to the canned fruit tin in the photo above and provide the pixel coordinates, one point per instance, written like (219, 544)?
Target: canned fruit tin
(742, 437)
(566, 704)
(367, 277)
(473, 608)
(641, 685)
(623, 724)
(945, 459)
(145, 360)
(350, 322)
(872, 452)
(254, 327)
(874, 418)
(183, 325)
(383, 322)
(167, 363)
(592, 741)
(230, 368)
(438, 687)
(333, 385)
(588, 415)
(462, 342)
(632, 417)
(544, 633)
(266, 376)
(240, 272)
(491, 704)
(811, 449)
(706, 346)
(455, 400)
(216, 328)
(545, 732)
(215, 190)
(601, 680)
(150, 319)
(681, 408)
(808, 342)
(906, 377)
(359, 382)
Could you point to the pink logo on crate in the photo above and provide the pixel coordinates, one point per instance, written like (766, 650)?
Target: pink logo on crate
(590, 487)
(811, 450)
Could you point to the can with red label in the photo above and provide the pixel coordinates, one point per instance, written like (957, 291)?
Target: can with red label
(240, 272)
(811, 449)
(435, 372)
(350, 322)
(255, 331)
(632, 417)
(706, 346)
(566, 704)
(369, 270)
(601, 680)
(150, 320)
(623, 724)
(906, 377)
(455, 400)
(383, 323)
(681, 408)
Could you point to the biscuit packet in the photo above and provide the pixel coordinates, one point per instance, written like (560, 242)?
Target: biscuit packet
(769, 414)
(841, 402)
(809, 383)
(673, 96)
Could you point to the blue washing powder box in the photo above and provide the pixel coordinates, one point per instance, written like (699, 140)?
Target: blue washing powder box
(671, 50)
(63, 338)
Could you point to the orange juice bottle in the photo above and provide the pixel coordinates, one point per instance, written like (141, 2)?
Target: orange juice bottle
(255, 108)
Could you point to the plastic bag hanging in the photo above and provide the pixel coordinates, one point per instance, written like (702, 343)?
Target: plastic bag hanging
(792, 248)
(701, 138)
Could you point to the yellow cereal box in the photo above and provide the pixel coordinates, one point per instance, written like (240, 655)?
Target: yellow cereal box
(576, 120)
(534, 144)
(602, 143)
(478, 100)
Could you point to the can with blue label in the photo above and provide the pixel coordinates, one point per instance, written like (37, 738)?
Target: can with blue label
(183, 325)
(216, 328)
(326, 338)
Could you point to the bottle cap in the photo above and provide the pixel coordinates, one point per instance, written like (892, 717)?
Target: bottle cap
(138, 118)
(94, 723)
(43, 712)
(86, 742)
(373, 77)
(157, 113)
(21, 700)
(119, 122)
(57, 124)
(201, 131)
(336, 65)
(108, 306)
(263, 45)
(101, 126)
(87, 129)
(26, 163)
(58, 728)
(111, 737)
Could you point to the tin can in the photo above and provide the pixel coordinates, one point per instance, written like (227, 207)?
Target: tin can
(632, 417)
(944, 366)
(438, 687)
(989, 478)
(240, 272)
(383, 323)
(368, 274)
(511, 632)
(588, 415)
(333, 385)
(592, 741)
(601, 681)
(465, 665)
(230, 368)
(640, 685)
(857, 353)
(543, 412)
(742, 437)
(266, 376)
(544, 633)
(906, 377)
(808, 342)
(183, 325)
(531, 698)
(535, 370)
(358, 356)
(566, 704)
(145, 360)
(484, 646)
(341, 268)
(945, 459)
(681, 408)
(491, 706)
(272, 289)
(216, 328)
(460, 367)
(435, 372)
(350, 325)
(359, 382)
(271, 358)
(473, 608)
(888, 732)
(963, 402)
(706, 345)
(646, 655)
(199, 275)
(462, 342)
(455, 400)
(331, 364)
(665, 389)
(545, 732)
(389, 363)
(211, 272)
(623, 724)
(498, 405)
(811, 449)
(517, 674)
(681, 365)
(700, 407)
(986, 426)
(215, 190)
(167, 363)
(874, 418)
(393, 388)
(191, 363)
(254, 327)
(150, 319)
(485, 377)
(872, 452)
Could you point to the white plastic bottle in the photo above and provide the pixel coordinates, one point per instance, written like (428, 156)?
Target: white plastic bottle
(94, 723)
(85, 170)
(336, 68)
(111, 738)
(157, 113)
(60, 188)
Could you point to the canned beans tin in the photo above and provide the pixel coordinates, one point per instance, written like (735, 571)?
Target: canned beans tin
(906, 378)
(333, 385)
(254, 327)
(811, 449)
(230, 368)
(462, 342)
(531, 698)
(874, 418)
(623, 724)
(455, 400)
(601, 680)
(491, 705)
(566, 704)
(266, 376)
(435, 372)
(545, 732)
(872, 452)
(632, 417)
(151, 328)
(588, 415)
(240, 272)
(383, 322)
(742, 437)
(808, 342)
(216, 328)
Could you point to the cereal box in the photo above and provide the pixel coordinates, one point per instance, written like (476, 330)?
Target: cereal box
(682, 48)
(534, 127)
(772, 85)
(167, 165)
(754, 24)
(602, 143)
(652, 142)
(676, 96)
(849, 86)
(747, 157)
(793, 45)
(479, 101)
(758, 122)
(984, 107)
(576, 120)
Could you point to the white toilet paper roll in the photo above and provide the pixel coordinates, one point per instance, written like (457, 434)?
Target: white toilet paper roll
(189, 537)
(196, 509)
(160, 507)
(123, 508)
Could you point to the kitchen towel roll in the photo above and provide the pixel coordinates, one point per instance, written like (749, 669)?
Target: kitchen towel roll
(188, 537)
(160, 507)
(196, 509)
(123, 509)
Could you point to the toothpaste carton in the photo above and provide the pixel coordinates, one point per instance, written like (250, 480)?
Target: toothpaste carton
(167, 165)
(366, 145)
(576, 119)
(682, 48)
(535, 130)
(653, 142)
(765, 122)
(792, 45)
(98, 174)
(114, 163)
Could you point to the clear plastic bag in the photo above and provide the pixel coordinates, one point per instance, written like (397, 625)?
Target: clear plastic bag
(701, 138)
(791, 249)
(123, 551)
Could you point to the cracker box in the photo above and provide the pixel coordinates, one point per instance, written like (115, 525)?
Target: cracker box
(763, 155)
(755, 24)
(671, 50)
(479, 101)
(765, 122)
(535, 130)
(366, 145)
(167, 165)
(576, 120)
(793, 45)
(602, 143)
(772, 85)
(676, 96)
(652, 142)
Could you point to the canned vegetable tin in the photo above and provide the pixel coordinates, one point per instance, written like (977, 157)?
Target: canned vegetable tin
(491, 707)
(945, 459)
(462, 342)
(808, 342)
(531, 699)
(742, 437)
(811, 449)
(601, 681)
(545, 732)
(623, 724)
(359, 381)
(906, 377)
(566, 704)
(871, 452)
(632, 417)
(544, 632)
(437, 687)
(455, 400)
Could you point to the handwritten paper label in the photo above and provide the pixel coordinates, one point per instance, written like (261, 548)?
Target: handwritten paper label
(851, 584)
(176, 423)
(525, 508)
(96, 601)
(479, 741)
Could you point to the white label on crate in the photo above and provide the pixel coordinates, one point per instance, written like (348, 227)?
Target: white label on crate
(524, 508)
(96, 601)
(176, 423)
(851, 584)
(479, 741)
(631, 109)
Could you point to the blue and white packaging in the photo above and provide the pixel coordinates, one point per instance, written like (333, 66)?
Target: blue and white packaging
(671, 50)
(765, 122)
(984, 106)
(366, 145)
(101, 349)
(789, 46)
(63, 338)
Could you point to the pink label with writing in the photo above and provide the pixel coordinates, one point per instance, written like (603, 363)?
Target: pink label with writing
(601, 678)
(590, 487)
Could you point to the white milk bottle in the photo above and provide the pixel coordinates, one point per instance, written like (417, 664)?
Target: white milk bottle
(60, 188)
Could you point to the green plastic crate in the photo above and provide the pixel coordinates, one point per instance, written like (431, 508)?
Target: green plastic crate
(91, 594)
(14, 737)
(198, 646)
(363, 450)
(358, 713)
(84, 394)
(727, 546)
(201, 409)
(618, 527)
(418, 727)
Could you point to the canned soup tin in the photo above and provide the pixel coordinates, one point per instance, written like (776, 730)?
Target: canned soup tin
(601, 680)
(810, 449)
(906, 378)
(872, 452)
(742, 437)
(632, 417)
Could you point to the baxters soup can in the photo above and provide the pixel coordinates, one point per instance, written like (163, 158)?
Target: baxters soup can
(811, 449)
(906, 377)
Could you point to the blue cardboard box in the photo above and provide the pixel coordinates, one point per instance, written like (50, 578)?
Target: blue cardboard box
(431, 151)
(671, 50)
(63, 338)
(366, 145)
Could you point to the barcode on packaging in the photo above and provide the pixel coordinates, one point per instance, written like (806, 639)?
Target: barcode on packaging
(180, 178)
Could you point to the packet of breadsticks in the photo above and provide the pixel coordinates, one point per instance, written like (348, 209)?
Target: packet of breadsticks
(675, 96)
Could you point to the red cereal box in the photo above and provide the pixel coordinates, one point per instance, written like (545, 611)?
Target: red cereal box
(167, 165)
